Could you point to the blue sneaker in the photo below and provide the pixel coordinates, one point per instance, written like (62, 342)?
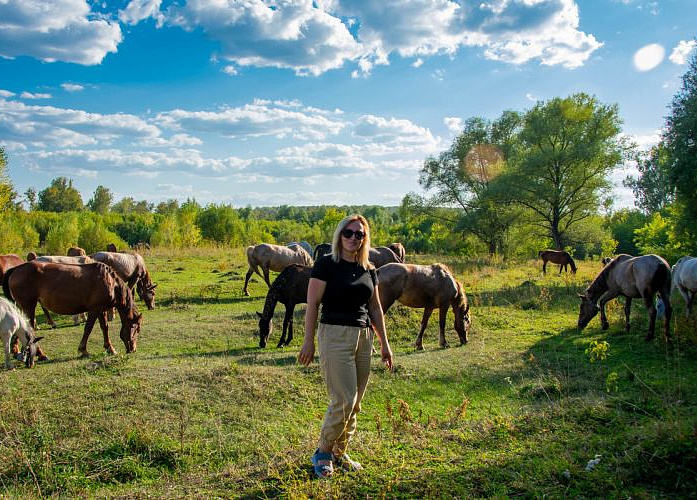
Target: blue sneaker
(324, 470)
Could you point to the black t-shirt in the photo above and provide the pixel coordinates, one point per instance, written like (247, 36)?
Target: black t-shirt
(349, 288)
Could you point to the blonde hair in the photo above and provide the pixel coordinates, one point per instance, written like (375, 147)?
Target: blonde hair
(363, 250)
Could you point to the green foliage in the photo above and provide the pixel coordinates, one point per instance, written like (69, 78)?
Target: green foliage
(328, 224)
(622, 225)
(128, 205)
(658, 236)
(567, 149)
(652, 189)
(590, 237)
(220, 223)
(18, 235)
(62, 234)
(60, 196)
(680, 138)
(101, 200)
(94, 236)
(7, 192)
(597, 351)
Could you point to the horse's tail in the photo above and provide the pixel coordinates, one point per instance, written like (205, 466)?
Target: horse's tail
(6, 283)
(250, 258)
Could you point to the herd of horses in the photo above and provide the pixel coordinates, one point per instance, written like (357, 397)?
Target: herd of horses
(98, 283)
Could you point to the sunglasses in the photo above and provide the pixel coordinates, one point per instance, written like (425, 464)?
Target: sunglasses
(348, 233)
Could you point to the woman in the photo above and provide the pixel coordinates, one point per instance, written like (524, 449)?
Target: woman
(345, 283)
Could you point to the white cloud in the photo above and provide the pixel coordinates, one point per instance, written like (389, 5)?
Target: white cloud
(230, 70)
(438, 75)
(530, 97)
(72, 87)
(454, 124)
(648, 57)
(56, 30)
(139, 10)
(681, 51)
(30, 95)
(382, 130)
(6, 93)
(417, 63)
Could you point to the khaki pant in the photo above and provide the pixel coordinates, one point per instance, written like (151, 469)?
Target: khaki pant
(344, 356)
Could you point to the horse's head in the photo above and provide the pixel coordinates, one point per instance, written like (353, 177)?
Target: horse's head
(463, 317)
(29, 351)
(587, 311)
(130, 329)
(265, 329)
(146, 291)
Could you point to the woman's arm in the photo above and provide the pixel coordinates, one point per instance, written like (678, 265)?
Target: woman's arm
(377, 318)
(315, 291)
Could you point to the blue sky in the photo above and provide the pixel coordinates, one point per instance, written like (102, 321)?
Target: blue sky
(305, 103)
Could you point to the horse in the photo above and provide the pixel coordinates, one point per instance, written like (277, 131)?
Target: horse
(685, 280)
(141, 246)
(289, 288)
(305, 245)
(633, 277)
(111, 247)
(13, 322)
(9, 261)
(557, 257)
(429, 287)
(380, 256)
(76, 252)
(69, 289)
(65, 259)
(321, 250)
(605, 261)
(131, 268)
(273, 258)
(398, 250)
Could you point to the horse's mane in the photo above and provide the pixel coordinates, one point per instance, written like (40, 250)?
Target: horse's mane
(122, 294)
(600, 281)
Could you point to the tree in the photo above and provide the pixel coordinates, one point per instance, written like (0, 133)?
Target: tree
(128, 205)
(7, 192)
(567, 149)
(652, 189)
(60, 196)
(101, 200)
(30, 196)
(465, 177)
(680, 138)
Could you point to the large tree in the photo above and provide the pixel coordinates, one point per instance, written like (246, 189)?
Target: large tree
(464, 178)
(60, 196)
(7, 192)
(567, 147)
(652, 189)
(680, 137)
(101, 200)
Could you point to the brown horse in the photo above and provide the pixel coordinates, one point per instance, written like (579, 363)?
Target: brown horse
(290, 289)
(273, 258)
(76, 252)
(131, 268)
(557, 257)
(398, 250)
(428, 287)
(9, 261)
(633, 277)
(380, 256)
(70, 289)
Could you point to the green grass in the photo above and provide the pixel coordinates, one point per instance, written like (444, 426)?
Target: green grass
(201, 411)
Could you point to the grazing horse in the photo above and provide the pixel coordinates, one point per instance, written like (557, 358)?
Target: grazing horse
(76, 252)
(380, 256)
(429, 287)
(64, 259)
(685, 280)
(9, 261)
(131, 268)
(633, 277)
(321, 250)
(273, 258)
(289, 288)
(70, 289)
(557, 257)
(305, 245)
(398, 250)
(13, 322)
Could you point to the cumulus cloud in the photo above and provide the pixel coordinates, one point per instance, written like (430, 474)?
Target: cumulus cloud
(681, 51)
(139, 10)
(392, 130)
(648, 57)
(72, 87)
(6, 93)
(56, 30)
(453, 123)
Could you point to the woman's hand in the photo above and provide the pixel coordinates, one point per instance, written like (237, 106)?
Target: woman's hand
(386, 354)
(307, 352)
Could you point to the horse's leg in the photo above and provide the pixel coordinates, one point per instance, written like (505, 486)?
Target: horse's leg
(48, 316)
(266, 276)
(442, 313)
(89, 324)
(419, 343)
(289, 337)
(544, 266)
(246, 281)
(627, 311)
(562, 266)
(668, 313)
(104, 325)
(6, 343)
(603, 319)
(287, 326)
(648, 301)
(688, 300)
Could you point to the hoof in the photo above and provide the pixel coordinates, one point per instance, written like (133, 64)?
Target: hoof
(605, 326)
(84, 354)
(444, 346)
(419, 347)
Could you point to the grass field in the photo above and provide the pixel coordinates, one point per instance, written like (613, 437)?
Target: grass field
(530, 407)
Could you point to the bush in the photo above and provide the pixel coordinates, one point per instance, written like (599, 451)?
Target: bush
(18, 235)
(62, 235)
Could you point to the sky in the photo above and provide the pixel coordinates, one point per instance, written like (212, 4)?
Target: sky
(297, 102)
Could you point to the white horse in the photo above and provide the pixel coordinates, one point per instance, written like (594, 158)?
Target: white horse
(12, 322)
(685, 280)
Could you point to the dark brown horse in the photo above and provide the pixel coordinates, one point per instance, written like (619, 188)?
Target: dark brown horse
(634, 277)
(429, 287)
(398, 250)
(289, 288)
(9, 261)
(70, 289)
(76, 252)
(557, 257)
(380, 256)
